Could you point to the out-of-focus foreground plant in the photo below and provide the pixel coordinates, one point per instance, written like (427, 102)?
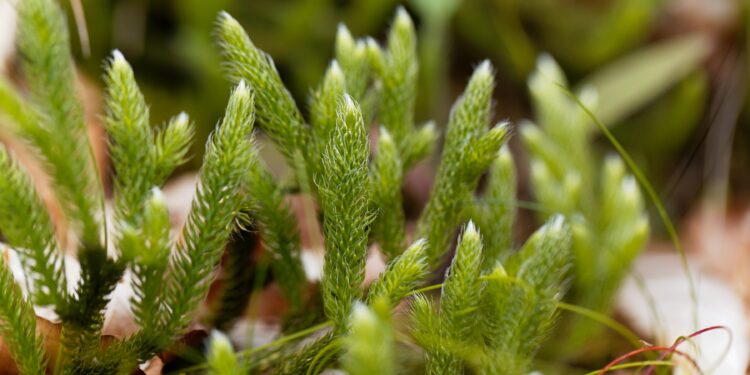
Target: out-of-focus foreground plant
(602, 202)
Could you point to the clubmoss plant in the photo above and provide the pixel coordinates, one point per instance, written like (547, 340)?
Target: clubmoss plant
(168, 285)
(18, 325)
(371, 328)
(494, 309)
(494, 322)
(221, 359)
(355, 203)
(602, 201)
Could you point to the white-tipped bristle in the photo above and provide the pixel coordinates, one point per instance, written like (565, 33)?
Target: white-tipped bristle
(385, 135)
(402, 18)
(589, 96)
(117, 55)
(471, 229)
(343, 34)
(629, 189)
(219, 338)
(484, 69)
(548, 68)
(182, 117)
(614, 165)
(335, 69)
(118, 60)
(422, 242)
(349, 103)
(361, 313)
(226, 19)
(556, 222)
(241, 90)
(157, 194)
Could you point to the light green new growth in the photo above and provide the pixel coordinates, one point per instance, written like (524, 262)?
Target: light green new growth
(387, 176)
(400, 143)
(494, 323)
(425, 327)
(460, 167)
(221, 357)
(355, 63)
(149, 247)
(58, 132)
(396, 67)
(142, 158)
(370, 345)
(459, 300)
(278, 115)
(214, 210)
(519, 302)
(402, 275)
(323, 106)
(169, 289)
(495, 210)
(343, 186)
(18, 326)
(398, 71)
(26, 227)
(130, 140)
(603, 203)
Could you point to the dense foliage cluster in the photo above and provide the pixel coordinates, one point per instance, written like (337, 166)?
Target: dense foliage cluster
(496, 304)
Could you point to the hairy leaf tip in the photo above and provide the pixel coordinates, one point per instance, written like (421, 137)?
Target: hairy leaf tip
(348, 105)
(373, 51)
(344, 37)
(471, 230)
(385, 136)
(548, 68)
(614, 166)
(181, 121)
(157, 197)
(242, 90)
(226, 19)
(335, 72)
(117, 59)
(484, 70)
(362, 315)
(555, 224)
(419, 244)
(630, 191)
(402, 21)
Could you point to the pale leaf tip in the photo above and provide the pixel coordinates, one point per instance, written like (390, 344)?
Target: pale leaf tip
(556, 223)
(385, 135)
(484, 69)
(157, 197)
(343, 35)
(334, 70)
(471, 230)
(403, 20)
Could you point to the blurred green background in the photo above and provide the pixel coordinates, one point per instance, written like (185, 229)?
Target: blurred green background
(670, 74)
